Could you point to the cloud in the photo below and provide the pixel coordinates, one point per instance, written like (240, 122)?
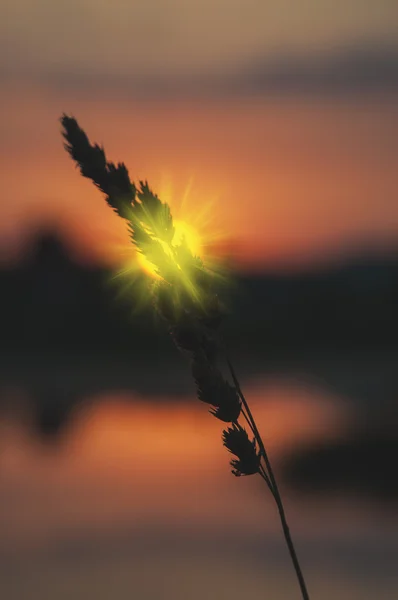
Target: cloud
(356, 69)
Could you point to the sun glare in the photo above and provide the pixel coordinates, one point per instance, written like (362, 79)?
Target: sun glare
(194, 222)
(183, 232)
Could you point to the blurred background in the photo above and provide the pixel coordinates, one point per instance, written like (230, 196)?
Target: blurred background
(273, 126)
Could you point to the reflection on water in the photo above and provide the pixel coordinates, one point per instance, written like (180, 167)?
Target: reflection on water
(137, 501)
(134, 451)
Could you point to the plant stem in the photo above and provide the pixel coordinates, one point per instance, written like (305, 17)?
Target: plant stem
(263, 472)
(275, 489)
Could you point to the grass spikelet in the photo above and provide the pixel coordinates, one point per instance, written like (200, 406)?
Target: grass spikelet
(185, 297)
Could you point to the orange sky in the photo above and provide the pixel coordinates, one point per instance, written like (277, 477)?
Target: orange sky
(292, 179)
(289, 180)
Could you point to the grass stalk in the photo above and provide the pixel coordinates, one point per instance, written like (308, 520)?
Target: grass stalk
(185, 297)
(272, 484)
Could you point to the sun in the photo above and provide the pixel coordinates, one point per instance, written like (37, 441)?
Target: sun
(195, 222)
(182, 232)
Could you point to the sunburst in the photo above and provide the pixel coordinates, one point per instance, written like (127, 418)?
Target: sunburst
(194, 222)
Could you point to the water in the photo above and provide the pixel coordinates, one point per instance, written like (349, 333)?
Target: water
(136, 501)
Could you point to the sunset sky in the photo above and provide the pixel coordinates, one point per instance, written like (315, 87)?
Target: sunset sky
(176, 90)
(272, 127)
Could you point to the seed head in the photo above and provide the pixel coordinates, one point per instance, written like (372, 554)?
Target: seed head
(213, 389)
(186, 334)
(237, 441)
(164, 301)
(213, 312)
